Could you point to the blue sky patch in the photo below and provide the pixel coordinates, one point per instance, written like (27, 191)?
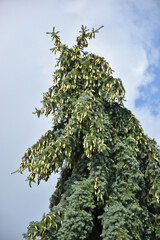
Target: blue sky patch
(149, 95)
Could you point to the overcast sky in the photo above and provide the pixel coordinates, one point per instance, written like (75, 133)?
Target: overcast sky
(130, 42)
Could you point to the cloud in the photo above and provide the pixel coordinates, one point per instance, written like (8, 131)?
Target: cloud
(75, 7)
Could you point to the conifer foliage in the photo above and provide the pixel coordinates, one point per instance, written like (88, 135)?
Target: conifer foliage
(109, 184)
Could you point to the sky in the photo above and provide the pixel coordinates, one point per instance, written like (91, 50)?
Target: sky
(129, 41)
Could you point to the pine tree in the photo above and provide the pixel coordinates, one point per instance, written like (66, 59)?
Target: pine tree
(109, 184)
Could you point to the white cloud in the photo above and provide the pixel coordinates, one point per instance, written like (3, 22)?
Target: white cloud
(75, 7)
